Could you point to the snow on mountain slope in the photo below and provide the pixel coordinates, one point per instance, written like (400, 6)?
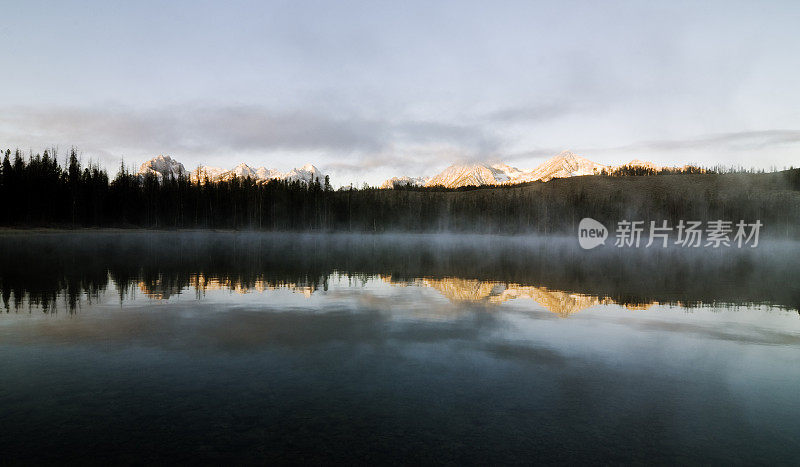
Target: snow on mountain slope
(242, 171)
(306, 174)
(565, 164)
(263, 173)
(395, 182)
(562, 165)
(202, 172)
(473, 174)
(163, 167)
(511, 173)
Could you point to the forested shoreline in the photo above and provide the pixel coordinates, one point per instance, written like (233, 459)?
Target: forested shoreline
(39, 192)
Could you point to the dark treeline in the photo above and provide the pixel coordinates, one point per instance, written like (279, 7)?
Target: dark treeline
(639, 170)
(39, 192)
(629, 170)
(43, 193)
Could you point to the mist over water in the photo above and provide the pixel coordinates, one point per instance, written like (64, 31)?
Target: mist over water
(469, 349)
(39, 269)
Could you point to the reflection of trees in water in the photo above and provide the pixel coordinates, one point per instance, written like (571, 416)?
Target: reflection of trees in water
(40, 271)
(201, 283)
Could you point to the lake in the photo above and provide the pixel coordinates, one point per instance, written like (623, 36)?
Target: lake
(135, 347)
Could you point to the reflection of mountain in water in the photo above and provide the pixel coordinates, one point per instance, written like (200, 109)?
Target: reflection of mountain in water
(470, 290)
(562, 303)
(41, 270)
(455, 289)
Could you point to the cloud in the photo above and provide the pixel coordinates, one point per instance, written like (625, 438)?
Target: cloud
(200, 128)
(413, 160)
(733, 141)
(351, 143)
(466, 135)
(210, 130)
(533, 112)
(219, 134)
(715, 147)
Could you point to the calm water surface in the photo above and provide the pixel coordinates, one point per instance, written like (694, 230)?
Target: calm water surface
(144, 347)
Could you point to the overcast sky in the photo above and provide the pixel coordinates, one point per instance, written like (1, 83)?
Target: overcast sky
(367, 90)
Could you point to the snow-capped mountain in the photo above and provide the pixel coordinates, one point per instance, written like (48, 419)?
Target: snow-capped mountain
(263, 173)
(204, 171)
(510, 173)
(395, 182)
(242, 171)
(563, 165)
(166, 167)
(474, 174)
(163, 167)
(306, 174)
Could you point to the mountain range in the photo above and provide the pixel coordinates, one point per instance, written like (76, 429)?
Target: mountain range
(166, 167)
(563, 165)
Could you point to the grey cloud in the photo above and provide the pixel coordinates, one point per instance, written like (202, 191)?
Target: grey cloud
(533, 113)
(714, 143)
(200, 131)
(208, 129)
(368, 163)
(733, 141)
(202, 128)
(419, 161)
(428, 131)
(529, 159)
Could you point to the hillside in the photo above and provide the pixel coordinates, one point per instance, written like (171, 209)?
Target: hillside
(558, 205)
(46, 195)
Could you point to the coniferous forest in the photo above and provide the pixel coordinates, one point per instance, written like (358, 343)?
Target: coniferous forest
(39, 191)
